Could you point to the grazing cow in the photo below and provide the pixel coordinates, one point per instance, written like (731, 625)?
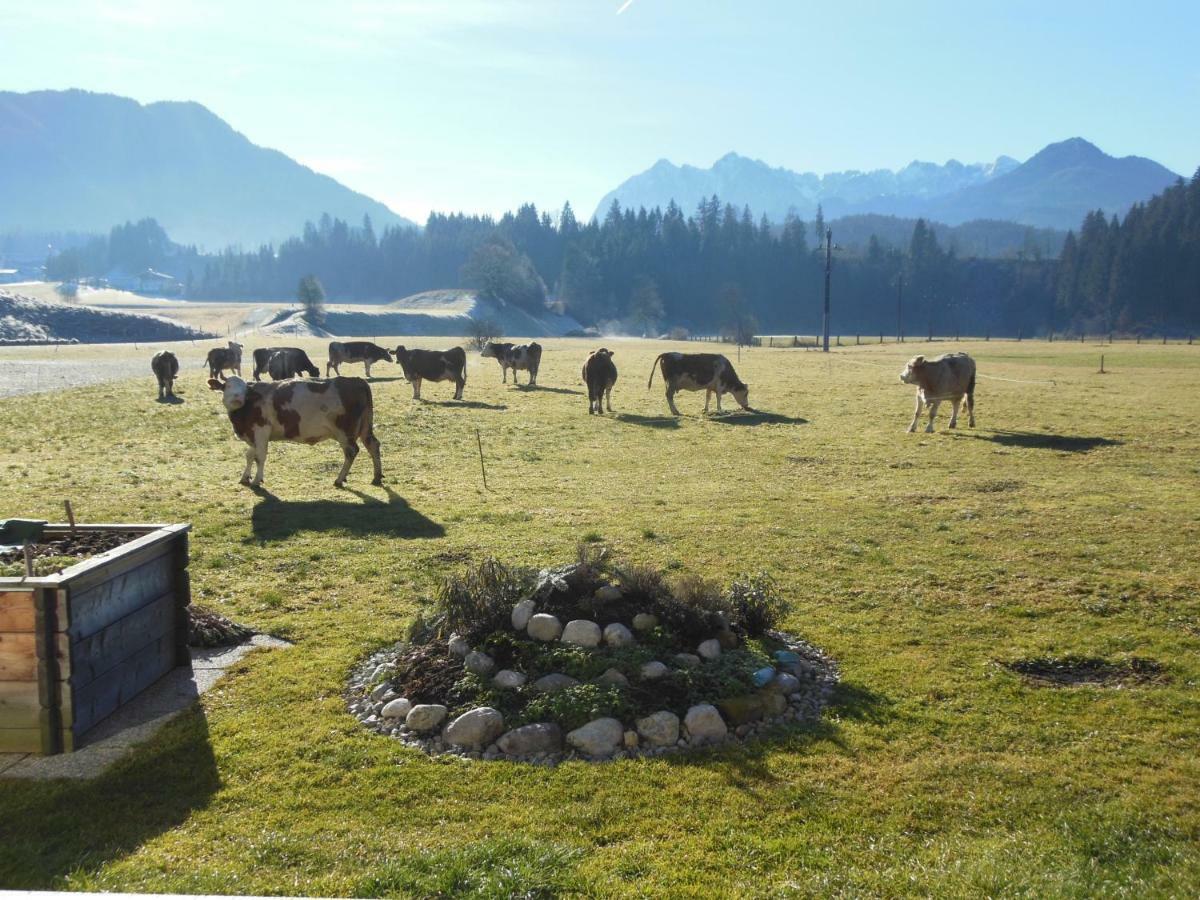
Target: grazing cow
(221, 358)
(355, 352)
(298, 361)
(165, 367)
(708, 372)
(433, 365)
(518, 356)
(599, 374)
(948, 377)
(289, 362)
(305, 412)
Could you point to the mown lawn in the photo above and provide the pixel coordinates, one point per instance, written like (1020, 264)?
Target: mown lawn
(1067, 523)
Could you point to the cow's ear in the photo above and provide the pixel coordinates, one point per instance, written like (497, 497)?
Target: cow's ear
(918, 360)
(215, 385)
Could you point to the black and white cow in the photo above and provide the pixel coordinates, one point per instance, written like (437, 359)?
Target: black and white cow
(515, 356)
(297, 361)
(355, 352)
(709, 372)
(433, 365)
(950, 376)
(165, 367)
(288, 362)
(221, 358)
(599, 374)
(305, 412)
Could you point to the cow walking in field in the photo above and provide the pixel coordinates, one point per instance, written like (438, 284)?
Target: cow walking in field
(433, 365)
(295, 362)
(708, 372)
(355, 352)
(221, 358)
(165, 367)
(947, 377)
(515, 356)
(305, 412)
(599, 374)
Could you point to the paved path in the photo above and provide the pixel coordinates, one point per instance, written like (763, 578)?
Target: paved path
(37, 376)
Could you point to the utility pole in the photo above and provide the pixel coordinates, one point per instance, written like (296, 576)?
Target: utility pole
(828, 265)
(900, 308)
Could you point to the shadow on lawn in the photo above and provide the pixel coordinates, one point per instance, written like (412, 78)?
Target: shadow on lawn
(466, 404)
(531, 388)
(757, 417)
(647, 421)
(1033, 440)
(170, 400)
(52, 829)
(275, 519)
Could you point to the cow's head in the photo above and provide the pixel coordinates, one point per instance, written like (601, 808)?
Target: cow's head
(911, 371)
(489, 349)
(382, 353)
(235, 348)
(233, 391)
(604, 351)
(741, 393)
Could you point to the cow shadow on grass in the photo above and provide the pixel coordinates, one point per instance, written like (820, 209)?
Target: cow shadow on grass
(647, 421)
(466, 404)
(532, 388)
(172, 400)
(1032, 440)
(274, 519)
(756, 417)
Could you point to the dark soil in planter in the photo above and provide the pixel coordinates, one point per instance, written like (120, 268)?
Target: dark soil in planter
(52, 555)
(1068, 671)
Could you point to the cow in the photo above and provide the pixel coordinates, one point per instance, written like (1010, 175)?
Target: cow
(433, 365)
(298, 362)
(355, 352)
(221, 358)
(288, 362)
(708, 372)
(950, 376)
(305, 412)
(599, 374)
(515, 356)
(165, 367)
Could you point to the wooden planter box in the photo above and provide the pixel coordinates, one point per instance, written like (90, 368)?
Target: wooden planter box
(76, 646)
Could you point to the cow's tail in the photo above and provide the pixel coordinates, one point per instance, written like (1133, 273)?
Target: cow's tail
(366, 422)
(971, 389)
(652, 368)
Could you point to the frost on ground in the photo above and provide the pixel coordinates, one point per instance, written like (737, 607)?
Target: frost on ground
(26, 319)
(37, 376)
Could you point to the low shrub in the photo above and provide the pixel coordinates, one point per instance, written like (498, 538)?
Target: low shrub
(756, 605)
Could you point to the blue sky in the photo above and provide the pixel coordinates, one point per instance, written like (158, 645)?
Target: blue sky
(479, 106)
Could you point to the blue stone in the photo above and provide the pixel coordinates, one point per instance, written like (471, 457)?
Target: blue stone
(787, 657)
(763, 676)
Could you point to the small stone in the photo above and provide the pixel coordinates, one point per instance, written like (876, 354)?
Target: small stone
(544, 627)
(522, 613)
(631, 740)
(556, 681)
(784, 683)
(653, 669)
(704, 723)
(617, 635)
(763, 676)
(608, 593)
(660, 729)
(644, 621)
(687, 660)
(614, 677)
(379, 691)
(787, 657)
(582, 633)
(742, 730)
(508, 679)
(532, 740)
(599, 737)
(458, 646)
(479, 663)
(397, 709)
(474, 728)
(709, 649)
(774, 703)
(425, 716)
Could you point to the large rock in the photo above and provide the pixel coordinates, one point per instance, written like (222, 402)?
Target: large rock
(742, 709)
(479, 663)
(425, 716)
(556, 681)
(644, 621)
(599, 737)
(458, 646)
(397, 709)
(687, 660)
(653, 669)
(508, 679)
(774, 702)
(709, 649)
(613, 676)
(617, 635)
(785, 683)
(475, 728)
(544, 627)
(704, 723)
(764, 676)
(581, 633)
(660, 729)
(522, 613)
(787, 657)
(608, 593)
(542, 737)
(728, 639)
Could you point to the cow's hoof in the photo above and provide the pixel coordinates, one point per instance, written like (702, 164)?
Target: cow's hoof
(339, 484)
(929, 430)
(953, 425)
(911, 430)
(244, 481)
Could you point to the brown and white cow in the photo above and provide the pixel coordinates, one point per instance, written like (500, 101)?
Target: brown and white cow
(950, 376)
(433, 365)
(305, 412)
(599, 374)
(295, 361)
(708, 372)
(515, 356)
(221, 358)
(355, 352)
(165, 367)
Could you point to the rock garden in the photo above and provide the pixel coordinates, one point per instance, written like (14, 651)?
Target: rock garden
(590, 661)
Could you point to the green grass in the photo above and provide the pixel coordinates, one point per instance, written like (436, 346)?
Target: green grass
(1065, 524)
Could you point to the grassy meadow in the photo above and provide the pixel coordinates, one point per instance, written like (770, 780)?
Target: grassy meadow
(1066, 523)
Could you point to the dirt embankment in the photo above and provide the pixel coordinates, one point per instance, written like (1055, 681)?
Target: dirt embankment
(26, 320)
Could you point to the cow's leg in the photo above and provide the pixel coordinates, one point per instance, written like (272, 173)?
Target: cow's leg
(533, 376)
(970, 404)
(671, 401)
(261, 439)
(954, 401)
(367, 365)
(608, 395)
(459, 384)
(707, 399)
(372, 443)
(933, 407)
(245, 479)
(916, 415)
(349, 450)
(417, 389)
(718, 393)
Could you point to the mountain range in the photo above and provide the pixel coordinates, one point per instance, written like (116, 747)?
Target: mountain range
(79, 161)
(1055, 188)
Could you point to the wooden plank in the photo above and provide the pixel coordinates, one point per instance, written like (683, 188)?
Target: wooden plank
(21, 740)
(87, 570)
(94, 655)
(20, 704)
(121, 684)
(93, 610)
(18, 657)
(17, 611)
(106, 566)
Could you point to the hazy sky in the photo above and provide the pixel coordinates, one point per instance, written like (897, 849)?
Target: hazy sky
(478, 106)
